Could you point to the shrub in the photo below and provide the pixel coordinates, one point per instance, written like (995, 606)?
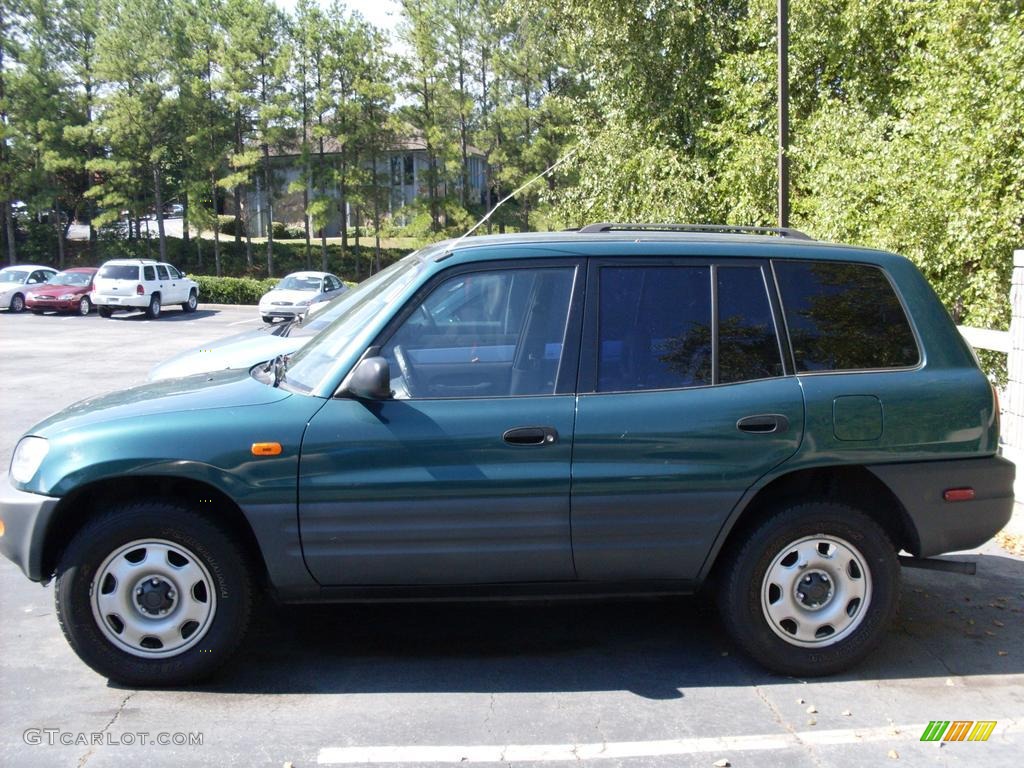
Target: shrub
(232, 290)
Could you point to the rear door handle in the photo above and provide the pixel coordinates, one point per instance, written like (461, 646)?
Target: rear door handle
(531, 436)
(763, 424)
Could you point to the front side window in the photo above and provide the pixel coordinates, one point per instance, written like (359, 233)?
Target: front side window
(844, 317)
(654, 328)
(161, 272)
(175, 274)
(484, 334)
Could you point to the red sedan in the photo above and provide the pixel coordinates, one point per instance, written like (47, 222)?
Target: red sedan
(67, 291)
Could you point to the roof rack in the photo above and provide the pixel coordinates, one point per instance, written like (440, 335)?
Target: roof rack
(608, 226)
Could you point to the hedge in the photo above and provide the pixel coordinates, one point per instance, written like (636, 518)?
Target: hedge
(232, 290)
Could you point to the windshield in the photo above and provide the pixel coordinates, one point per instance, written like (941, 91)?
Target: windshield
(13, 276)
(70, 278)
(299, 283)
(348, 315)
(119, 271)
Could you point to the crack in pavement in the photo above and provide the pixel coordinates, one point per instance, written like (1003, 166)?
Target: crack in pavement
(89, 753)
(777, 715)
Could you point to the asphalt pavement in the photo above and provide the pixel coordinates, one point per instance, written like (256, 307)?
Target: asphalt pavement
(625, 683)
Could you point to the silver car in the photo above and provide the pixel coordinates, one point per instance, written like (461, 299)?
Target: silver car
(293, 296)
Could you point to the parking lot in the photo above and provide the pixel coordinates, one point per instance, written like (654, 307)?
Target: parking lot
(631, 682)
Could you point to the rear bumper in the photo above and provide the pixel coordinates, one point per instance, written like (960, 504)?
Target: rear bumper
(26, 517)
(131, 301)
(943, 526)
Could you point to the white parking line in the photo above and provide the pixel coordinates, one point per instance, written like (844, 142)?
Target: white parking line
(539, 753)
(242, 322)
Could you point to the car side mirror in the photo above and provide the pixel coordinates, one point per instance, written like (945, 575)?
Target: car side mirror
(370, 380)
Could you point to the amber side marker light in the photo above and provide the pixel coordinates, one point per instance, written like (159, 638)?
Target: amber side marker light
(1, 528)
(958, 494)
(266, 449)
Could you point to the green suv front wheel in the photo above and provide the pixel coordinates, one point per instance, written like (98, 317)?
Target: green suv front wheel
(811, 590)
(152, 593)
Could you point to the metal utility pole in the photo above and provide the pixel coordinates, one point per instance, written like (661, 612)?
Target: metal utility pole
(783, 22)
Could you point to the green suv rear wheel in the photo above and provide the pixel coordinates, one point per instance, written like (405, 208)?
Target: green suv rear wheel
(811, 590)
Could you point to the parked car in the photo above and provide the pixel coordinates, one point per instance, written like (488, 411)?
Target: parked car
(134, 284)
(252, 347)
(618, 409)
(16, 281)
(293, 296)
(67, 291)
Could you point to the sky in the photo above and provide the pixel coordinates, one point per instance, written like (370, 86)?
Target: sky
(380, 13)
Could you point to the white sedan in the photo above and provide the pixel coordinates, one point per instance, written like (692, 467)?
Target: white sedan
(293, 296)
(16, 281)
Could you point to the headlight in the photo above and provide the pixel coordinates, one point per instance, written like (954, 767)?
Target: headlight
(67, 297)
(305, 303)
(27, 457)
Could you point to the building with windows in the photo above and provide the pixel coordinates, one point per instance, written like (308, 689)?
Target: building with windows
(401, 171)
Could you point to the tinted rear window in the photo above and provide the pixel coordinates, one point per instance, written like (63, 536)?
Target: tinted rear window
(747, 345)
(844, 317)
(119, 272)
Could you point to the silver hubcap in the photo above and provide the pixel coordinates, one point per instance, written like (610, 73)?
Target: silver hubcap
(153, 598)
(192, 301)
(816, 591)
(83, 306)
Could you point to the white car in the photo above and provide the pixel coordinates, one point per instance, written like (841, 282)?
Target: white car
(293, 296)
(15, 281)
(133, 284)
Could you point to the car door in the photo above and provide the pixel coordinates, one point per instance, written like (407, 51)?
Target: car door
(463, 476)
(684, 403)
(178, 287)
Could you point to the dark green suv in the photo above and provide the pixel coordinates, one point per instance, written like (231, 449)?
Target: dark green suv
(622, 409)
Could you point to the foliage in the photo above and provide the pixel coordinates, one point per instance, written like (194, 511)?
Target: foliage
(232, 290)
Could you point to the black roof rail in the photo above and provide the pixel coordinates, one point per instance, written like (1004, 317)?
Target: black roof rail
(608, 226)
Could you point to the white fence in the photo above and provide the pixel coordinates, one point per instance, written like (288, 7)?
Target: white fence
(1012, 343)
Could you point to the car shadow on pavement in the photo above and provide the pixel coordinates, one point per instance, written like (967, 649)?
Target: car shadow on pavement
(949, 625)
(170, 315)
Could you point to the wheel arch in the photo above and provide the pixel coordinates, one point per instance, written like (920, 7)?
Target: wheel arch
(852, 484)
(85, 502)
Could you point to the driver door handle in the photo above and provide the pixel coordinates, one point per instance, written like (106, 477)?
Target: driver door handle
(531, 436)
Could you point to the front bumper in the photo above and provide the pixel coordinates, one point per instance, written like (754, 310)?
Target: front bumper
(287, 312)
(53, 304)
(943, 526)
(26, 517)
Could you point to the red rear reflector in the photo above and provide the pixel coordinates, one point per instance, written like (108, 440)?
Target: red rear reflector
(139, 290)
(959, 494)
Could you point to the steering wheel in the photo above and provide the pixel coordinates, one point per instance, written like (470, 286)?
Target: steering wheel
(408, 377)
(429, 318)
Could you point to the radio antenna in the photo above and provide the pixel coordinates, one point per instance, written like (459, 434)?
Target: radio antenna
(509, 196)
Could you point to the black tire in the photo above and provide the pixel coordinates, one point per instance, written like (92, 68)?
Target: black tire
(154, 308)
(193, 302)
(17, 303)
(743, 582)
(105, 311)
(84, 306)
(268, 319)
(38, 312)
(213, 548)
